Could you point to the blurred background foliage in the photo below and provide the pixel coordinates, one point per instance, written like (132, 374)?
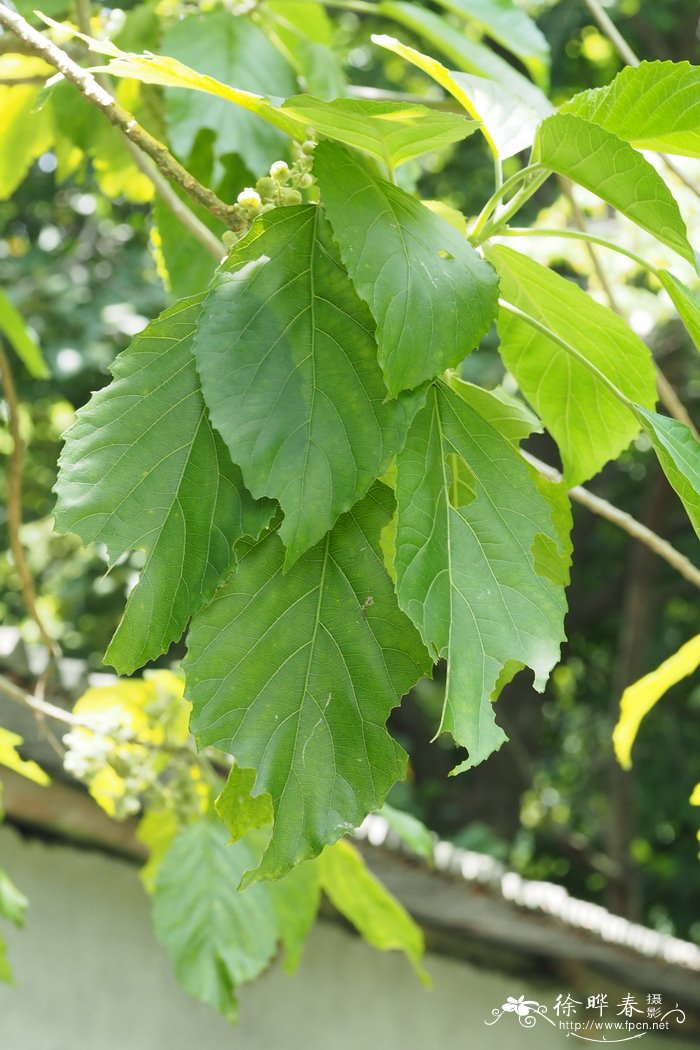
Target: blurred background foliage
(83, 260)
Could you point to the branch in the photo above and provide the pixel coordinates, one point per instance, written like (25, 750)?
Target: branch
(624, 521)
(120, 118)
(13, 692)
(209, 241)
(14, 505)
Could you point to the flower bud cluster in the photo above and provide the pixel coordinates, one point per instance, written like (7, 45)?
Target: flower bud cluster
(284, 185)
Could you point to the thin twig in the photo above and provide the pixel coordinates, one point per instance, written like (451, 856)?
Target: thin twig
(14, 505)
(120, 117)
(627, 55)
(624, 521)
(182, 213)
(13, 692)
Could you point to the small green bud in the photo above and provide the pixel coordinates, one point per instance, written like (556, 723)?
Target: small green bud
(305, 181)
(291, 197)
(267, 207)
(308, 147)
(266, 187)
(279, 170)
(229, 237)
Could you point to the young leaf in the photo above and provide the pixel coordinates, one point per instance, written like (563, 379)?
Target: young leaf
(393, 132)
(239, 809)
(5, 970)
(655, 106)
(289, 371)
(639, 698)
(511, 27)
(374, 912)
(410, 830)
(228, 50)
(303, 33)
(157, 830)
(9, 742)
(431, 294)
(296, 673)
(463, 52)
(615, 172)
(24, 134)
(13, 903)
(678, 452)
(685, 301)
(143, 470)
(296, 899)
(217, 939)
(12, 326)
(480, 562)
(508, 122)
(589, 424)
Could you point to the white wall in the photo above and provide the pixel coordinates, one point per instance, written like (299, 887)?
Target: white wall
(90, 976)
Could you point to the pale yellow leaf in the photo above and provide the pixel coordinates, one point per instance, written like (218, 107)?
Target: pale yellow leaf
(9, 742)
(639, 698)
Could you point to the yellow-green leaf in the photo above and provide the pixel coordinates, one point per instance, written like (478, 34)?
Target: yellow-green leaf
(639, 698)
(374, 912)
(12, 326)
(239, 809)
(9, 742)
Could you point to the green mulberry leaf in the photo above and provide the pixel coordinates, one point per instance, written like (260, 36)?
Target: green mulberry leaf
(392, 132)
(590, 425)
(615, 172)
(432, 296)
(678, 451)
(655, 105)
(296, 673)
(481, 558)
(289, 371)
(217, 939)
(142, 469)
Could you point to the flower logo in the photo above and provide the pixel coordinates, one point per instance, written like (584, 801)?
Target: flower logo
(519, 1006)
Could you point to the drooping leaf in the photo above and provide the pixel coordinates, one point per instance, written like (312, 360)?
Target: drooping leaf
(511, 27)
(295, 674)
(685, 301)
(5, 970)
(376, 914)
(604, 164)
(216, 937)
(588, 422)
(157, 830)
(12, 326)
(393, 132)
(13, 903)
(464, 53)
(143, 470)
(481, 564)
(296, 899)
(655, 106)
(678, 452)
(232, 51)
(288, 363)
(303, 32)
(639, 698)
(410, 830)
(9, 742)
(432, 296)
(239, 809)
(24, 134)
